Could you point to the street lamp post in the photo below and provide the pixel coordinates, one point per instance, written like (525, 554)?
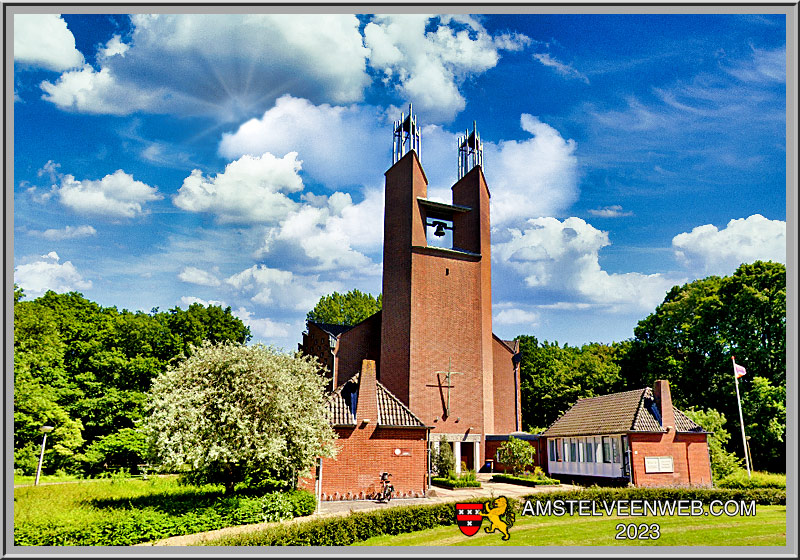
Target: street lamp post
(45, 430)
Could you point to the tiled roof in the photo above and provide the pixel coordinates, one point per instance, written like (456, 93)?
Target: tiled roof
(342, 403)
(629, 411)
(391, 411)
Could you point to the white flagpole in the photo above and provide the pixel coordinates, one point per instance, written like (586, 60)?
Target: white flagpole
(741, 418)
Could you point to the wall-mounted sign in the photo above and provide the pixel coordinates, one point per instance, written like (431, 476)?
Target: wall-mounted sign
(659, 464)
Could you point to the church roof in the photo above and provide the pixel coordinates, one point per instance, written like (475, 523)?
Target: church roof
(392, 412)
(629, 411)
(331, 329)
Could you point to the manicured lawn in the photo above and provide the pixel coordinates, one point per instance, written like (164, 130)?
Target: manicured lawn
(129, 511)
(20, 479)
(766, 528)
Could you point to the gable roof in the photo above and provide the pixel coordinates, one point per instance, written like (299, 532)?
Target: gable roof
(628, 411)
(392, 412)
(331, 329)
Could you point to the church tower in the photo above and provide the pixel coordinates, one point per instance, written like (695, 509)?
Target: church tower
(436, 329)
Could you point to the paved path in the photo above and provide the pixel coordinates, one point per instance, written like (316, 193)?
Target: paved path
(346, 507)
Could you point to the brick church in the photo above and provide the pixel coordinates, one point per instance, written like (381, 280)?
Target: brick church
(427, 366)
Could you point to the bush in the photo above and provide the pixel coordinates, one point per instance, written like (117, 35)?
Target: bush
(533, 480)
(128, 519)
(758, 479)
(343, 531)
(442, 459)
(517, 454)
(456, 482)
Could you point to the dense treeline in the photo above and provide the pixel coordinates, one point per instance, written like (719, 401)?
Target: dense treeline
(688, 340)
(85, 369)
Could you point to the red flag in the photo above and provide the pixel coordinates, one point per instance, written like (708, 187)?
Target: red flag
(738, 370)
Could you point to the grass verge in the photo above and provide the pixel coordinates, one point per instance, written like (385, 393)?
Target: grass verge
(766, 528)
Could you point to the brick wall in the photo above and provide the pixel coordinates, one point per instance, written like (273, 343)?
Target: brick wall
(688, 450)
(362, 342)
(316, 342)
(506, 386)
(365, 452)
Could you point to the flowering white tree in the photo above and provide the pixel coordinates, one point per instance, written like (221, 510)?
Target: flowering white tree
(233, 413)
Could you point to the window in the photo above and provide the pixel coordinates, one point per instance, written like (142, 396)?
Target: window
(606, 449)
(552, 447)
(590, 450)
(559, 450)
(573, 450)
(582, 450)
(615, 450)
(565, 446)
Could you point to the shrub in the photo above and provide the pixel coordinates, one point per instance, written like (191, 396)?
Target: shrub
(758, 479)
(442, 459)
(343, 531)
(525, 480)
(130, 515)
(456, 482)
(517, 454)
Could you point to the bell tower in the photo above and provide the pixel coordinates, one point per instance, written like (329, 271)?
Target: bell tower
(436, 326)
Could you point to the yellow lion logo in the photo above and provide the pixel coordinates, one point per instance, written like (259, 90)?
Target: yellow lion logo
(499, 507)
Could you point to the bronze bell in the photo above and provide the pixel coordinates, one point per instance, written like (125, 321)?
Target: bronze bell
(439, 229)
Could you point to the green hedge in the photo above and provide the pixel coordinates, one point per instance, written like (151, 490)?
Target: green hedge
(123, 526)
(524, 481)
(456, 482)
(758, 479)
(343, 531)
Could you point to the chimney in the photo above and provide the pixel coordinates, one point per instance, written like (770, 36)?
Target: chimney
(367, 408)
(664, 403)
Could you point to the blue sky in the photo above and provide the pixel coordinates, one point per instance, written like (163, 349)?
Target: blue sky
(161, 160)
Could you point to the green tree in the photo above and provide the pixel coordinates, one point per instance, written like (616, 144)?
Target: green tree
(553, 378)
(345, 309)
(517, 454)
(723, 462)
(691, 337)
(442, 458)
(91, 367)
(236, 414)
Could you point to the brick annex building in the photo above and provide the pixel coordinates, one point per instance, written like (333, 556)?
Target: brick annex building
(427, 365)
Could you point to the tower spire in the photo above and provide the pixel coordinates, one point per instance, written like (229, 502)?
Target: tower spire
(470, 151)
(406, 137)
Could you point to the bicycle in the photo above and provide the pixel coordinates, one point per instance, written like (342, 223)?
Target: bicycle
(387, 489)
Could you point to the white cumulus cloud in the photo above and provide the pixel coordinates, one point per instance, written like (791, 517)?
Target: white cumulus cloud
(531, 178)
(428, 67)
(117, 195)
(48, 273)
(262, 327)
(68, 232)
(222, 65)
(613, 211)
(197, 276)
(189, 300)
(720, 251)
(281, 288)
(327, 138)
(513, 316)
(43, 40)
(564, 256)
(250, 190)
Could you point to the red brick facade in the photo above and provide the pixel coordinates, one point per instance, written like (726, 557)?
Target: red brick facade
(436, 319)
(689, 452)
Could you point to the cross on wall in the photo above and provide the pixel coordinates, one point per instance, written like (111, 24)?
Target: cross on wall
(448, 386)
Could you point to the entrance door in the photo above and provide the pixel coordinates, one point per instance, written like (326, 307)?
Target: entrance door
(468, 454)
